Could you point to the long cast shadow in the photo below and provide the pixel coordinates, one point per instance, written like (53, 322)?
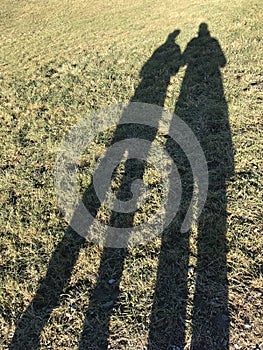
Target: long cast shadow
(202, 105)
(155, 74)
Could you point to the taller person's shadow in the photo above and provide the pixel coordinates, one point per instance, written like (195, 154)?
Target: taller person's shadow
(202, 105)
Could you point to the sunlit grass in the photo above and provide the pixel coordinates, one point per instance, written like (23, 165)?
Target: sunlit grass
(58, 61)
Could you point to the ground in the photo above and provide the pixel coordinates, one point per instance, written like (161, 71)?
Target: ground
(61, 60)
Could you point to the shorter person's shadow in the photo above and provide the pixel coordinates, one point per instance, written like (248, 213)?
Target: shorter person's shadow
(156, 74)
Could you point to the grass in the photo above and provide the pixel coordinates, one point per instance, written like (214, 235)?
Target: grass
(61, 60)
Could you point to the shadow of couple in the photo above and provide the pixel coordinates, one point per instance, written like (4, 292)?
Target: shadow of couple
(202, 105)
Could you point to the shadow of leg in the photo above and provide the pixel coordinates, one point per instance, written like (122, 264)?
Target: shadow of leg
(29, 327)
(168, 319)
(167, 327)
(210, 314)
(103, 300)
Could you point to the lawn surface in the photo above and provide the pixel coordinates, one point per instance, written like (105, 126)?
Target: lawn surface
(60, 60)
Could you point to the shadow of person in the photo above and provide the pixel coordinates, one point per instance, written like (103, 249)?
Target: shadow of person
(155, 78)
(202, 105)
(156, 74)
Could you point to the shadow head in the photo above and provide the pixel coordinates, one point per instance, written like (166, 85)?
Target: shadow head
(172, 36)
(203, 30)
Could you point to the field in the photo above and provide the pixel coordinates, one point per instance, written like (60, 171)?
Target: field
(61, 60)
